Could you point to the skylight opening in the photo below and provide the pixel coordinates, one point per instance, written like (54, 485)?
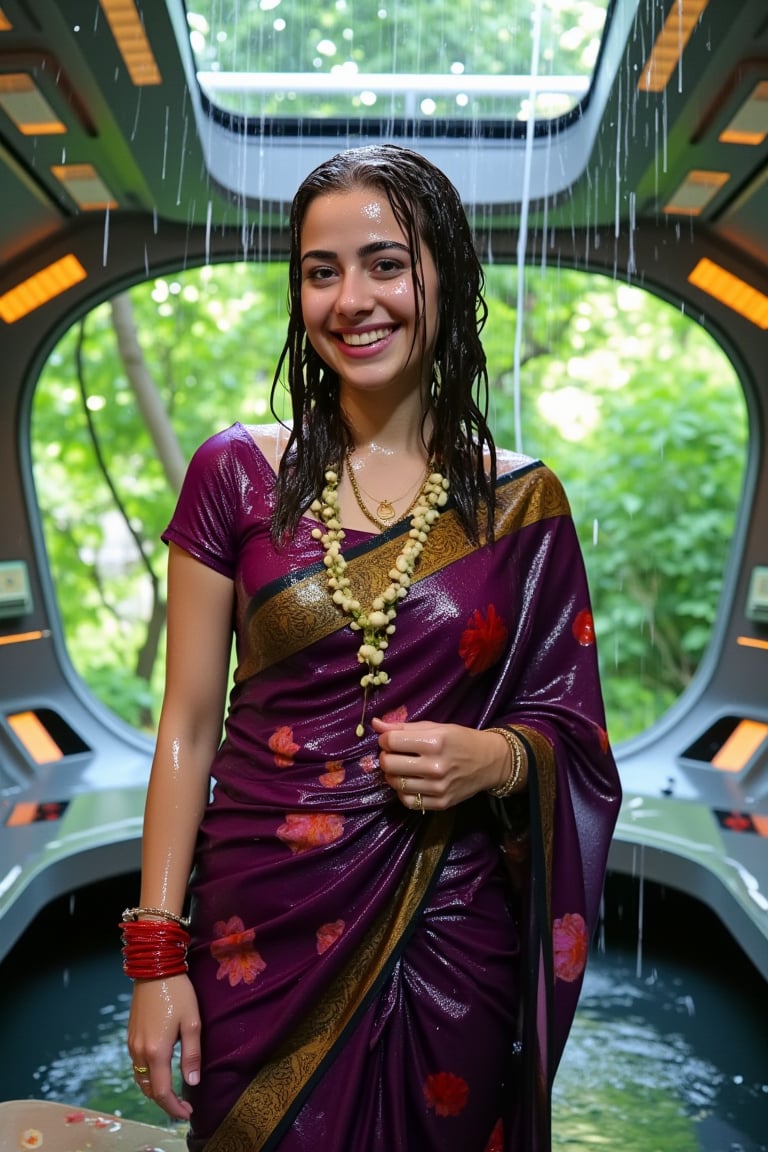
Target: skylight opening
(466, 61)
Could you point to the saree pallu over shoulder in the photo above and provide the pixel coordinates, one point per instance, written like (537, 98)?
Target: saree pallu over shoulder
(296, 611)
(318, 909)
(267, 1107)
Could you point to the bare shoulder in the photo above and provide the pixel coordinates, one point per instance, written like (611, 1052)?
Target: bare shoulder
(508, 461)
(271, 440)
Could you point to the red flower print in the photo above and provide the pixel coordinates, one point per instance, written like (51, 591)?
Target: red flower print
(482, 641)
(303, 833)
(368, 764)
(239, 962)
(75, 1118)
(496, 1139)
(569, 936)
(282, 745)
(396, 715)
(446, 1093)
(584, 627)
(334, 774)
(329, 934)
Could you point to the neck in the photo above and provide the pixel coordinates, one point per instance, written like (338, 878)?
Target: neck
(383, 429)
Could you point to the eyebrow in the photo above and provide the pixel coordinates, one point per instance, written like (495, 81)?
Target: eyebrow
(366, 250)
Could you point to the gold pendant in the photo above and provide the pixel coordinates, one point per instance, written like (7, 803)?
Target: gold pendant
(385, 510)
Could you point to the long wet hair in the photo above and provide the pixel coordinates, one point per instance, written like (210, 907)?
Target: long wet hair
(428, 209)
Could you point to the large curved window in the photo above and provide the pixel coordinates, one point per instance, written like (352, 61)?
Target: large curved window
(634, 406)
(434, 60)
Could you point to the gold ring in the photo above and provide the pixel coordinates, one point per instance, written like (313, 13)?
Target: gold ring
(419, 805)
(403, 783)
(140, 1069)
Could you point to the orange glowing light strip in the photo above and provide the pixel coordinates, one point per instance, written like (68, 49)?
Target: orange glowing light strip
(5, 24)
(750, 124)
(751, 642)
(132, 42)
(731, 291)
(40, 288)
(740, 746)
(26, 106)
(85, 186)
(23, 637)
(35, 737)
(670, 43)
(695, 192)
(23, 813)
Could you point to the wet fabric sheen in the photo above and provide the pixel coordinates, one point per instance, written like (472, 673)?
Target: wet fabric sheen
(304, 844)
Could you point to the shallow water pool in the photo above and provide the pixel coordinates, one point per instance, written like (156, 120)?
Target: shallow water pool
(668, 1053)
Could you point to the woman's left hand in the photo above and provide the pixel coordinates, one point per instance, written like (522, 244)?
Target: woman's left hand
(436, 766)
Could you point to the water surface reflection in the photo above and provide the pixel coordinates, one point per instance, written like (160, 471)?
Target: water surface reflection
(673, 1059)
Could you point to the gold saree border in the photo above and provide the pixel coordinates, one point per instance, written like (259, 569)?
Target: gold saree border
(302, 612)
(546, 775)
(277, 1088)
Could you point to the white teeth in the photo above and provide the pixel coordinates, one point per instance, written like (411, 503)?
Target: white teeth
(358, 339)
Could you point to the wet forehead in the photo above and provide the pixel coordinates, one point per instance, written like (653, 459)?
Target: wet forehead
(349, 221)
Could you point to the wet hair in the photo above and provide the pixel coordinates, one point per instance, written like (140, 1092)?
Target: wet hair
(428, 209)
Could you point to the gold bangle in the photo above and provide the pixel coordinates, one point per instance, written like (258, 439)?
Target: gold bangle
(517, 753)
(134, 913)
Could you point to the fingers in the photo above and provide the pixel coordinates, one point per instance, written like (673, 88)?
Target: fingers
(417, 737)
(162, 1013)
(407, 761)
(143, 1079)
(411, 798)
(435, 766)
(155, 1082)
(190, 1051)
(167, 1099)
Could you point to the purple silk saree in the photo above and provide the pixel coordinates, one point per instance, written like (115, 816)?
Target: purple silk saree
(369, 978)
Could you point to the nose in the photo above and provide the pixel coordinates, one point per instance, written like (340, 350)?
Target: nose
(354, 297)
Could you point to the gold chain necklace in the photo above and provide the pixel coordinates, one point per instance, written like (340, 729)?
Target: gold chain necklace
(378, 623)
(385, 512)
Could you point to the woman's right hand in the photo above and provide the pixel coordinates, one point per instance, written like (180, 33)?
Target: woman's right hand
(162, 1012)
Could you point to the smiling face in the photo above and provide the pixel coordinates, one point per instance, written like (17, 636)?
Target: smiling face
(357, 293)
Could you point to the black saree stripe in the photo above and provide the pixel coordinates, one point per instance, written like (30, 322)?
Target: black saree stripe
(538, 1076)
(296, 611)
(269, 1105)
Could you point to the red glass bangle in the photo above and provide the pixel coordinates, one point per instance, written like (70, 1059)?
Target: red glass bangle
(154, 950)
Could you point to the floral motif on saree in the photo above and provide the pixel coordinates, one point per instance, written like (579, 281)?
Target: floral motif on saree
(369, 937)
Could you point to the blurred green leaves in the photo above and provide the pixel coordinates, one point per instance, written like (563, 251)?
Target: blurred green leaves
(634, 405)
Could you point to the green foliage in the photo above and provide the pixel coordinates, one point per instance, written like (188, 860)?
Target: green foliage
(633, 405)
(641, 415)
(210, 338)
(443, 37)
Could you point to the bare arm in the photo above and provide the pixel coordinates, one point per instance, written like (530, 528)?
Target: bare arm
(198, 648)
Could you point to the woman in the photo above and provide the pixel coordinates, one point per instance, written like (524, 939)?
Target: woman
(395, 879)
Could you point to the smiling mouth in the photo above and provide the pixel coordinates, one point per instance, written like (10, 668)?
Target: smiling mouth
(362, 339)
